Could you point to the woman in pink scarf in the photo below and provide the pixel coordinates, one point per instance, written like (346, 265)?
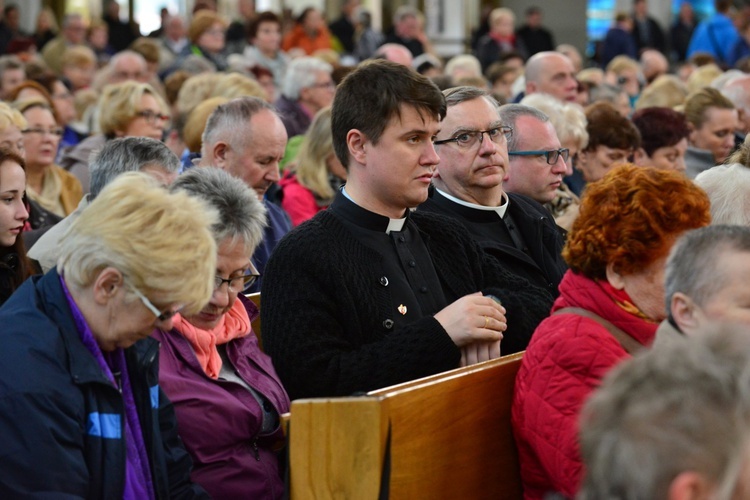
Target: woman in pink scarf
(225, 390)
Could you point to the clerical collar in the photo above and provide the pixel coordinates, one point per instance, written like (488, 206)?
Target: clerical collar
(345, 206)
(500, 211)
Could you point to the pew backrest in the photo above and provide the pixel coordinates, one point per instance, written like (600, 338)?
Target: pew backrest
(255, 298)
(444, 436)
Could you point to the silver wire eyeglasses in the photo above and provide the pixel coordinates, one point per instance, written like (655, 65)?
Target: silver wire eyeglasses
(470, 139)
(160, 315)
(552, 155)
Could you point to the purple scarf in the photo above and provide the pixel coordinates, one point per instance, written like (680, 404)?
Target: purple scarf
(138, 483)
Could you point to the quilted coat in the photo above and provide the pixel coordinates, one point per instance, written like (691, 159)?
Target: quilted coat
(566, 359)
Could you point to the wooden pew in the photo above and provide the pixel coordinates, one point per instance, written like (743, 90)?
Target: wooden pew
(255, 298)
(444, 436)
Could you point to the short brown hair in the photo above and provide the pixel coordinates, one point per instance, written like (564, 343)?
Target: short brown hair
(607, 127)
(374, 93)
(263, 17)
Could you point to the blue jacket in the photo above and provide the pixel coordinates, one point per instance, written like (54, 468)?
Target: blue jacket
(739, 50)
(278, 225)
(62, 421)
(617, 42)
(716, 36)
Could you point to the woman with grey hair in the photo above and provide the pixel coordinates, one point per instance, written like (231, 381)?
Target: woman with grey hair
(211, 363)
(308, 88)
(728, 188)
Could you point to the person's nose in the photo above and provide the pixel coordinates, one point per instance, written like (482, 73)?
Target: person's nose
(487, 146)
(22, 214)
(272, 174)
(220, 297)
(165, 325)
(559, 167)
(430, 157)
(680, 164)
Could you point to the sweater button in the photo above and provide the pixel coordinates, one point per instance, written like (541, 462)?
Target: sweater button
(384, 281)
(388, 324)
(423, 289)
(412, 263)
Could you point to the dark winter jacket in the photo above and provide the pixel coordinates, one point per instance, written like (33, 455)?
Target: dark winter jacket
(62, 419)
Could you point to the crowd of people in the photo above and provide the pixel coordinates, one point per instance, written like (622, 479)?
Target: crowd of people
(400, 214)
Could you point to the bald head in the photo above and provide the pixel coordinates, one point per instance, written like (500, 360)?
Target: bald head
(738, 91)
(395, 52)
(551, 73)
(653, 64)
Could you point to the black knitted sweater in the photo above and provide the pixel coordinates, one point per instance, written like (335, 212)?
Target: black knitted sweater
(326, 312)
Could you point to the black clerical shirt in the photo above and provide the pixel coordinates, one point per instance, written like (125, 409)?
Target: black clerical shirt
(407, 270)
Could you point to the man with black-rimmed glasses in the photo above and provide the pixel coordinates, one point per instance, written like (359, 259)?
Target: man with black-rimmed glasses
(537, 160)
(468, 185)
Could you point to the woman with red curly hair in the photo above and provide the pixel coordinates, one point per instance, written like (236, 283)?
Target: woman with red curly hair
(610, 305)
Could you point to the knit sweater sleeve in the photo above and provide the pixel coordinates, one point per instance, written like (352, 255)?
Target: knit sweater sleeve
(526, 305)
(324, 323)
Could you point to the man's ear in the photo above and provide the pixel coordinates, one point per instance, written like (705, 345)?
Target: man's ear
(106, 285)
(220, 151)
(690, 485)
(357, 143)
(685, 312)
(614, 278)
(530, 88)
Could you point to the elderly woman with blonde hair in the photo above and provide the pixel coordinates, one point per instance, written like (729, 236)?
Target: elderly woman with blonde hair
(667, 91)
(127, 109)
(569, 122)
(311, 182)
(79, 372)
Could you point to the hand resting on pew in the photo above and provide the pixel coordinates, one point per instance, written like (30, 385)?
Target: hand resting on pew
(475, 324)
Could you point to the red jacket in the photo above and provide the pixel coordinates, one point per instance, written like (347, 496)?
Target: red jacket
(299, 202)
(566, 359)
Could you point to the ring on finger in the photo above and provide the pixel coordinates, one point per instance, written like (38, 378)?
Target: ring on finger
(486, 321)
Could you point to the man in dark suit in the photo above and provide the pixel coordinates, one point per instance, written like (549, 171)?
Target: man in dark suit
(514, 228)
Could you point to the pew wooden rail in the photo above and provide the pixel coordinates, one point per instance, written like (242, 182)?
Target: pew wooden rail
(255, 298)
(445, 436)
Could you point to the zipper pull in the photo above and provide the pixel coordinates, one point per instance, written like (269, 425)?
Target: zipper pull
(118, 380)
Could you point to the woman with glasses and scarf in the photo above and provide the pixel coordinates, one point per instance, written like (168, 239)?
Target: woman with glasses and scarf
(226, 393)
